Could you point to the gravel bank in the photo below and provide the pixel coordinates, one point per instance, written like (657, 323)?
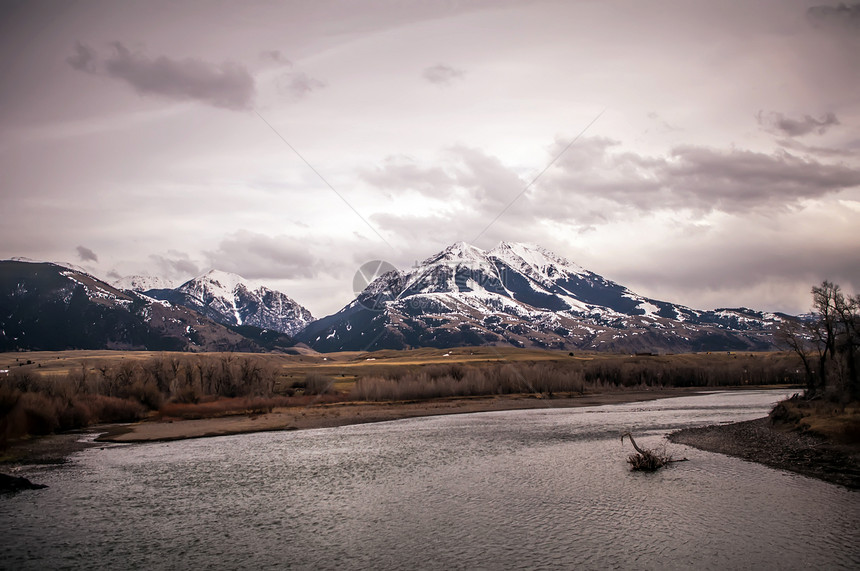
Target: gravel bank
(758, 441)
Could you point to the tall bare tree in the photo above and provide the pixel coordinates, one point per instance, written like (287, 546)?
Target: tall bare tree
(829, 345)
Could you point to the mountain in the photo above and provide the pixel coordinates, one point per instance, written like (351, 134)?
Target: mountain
(46, 306)
(142, 283)
(526, 296)
(231, 300)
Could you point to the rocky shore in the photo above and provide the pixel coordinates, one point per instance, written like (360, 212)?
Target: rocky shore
(759, 441)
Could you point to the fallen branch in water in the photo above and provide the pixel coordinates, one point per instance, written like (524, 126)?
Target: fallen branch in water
(648, 460)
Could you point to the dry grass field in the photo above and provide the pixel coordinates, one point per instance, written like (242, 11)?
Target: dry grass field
(46, 392)
(348, 366)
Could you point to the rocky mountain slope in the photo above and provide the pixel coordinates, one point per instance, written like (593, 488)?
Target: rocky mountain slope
(45, 306)
(231, 300)
(526, 296)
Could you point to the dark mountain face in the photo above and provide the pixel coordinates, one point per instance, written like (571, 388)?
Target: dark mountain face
(45, 306)
(230, 300)
(526, 296)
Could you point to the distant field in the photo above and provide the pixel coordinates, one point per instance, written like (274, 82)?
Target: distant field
(48, 362)
(345, 367)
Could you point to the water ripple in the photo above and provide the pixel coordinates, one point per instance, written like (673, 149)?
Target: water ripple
(503, 490)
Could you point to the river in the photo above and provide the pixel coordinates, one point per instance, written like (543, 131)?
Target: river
(545, 488)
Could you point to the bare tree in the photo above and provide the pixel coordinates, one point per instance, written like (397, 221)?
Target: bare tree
(829, 346)
(797, 336)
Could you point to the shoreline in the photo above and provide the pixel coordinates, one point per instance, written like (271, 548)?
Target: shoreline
(54, 449)
(343, 414)
(759, 441)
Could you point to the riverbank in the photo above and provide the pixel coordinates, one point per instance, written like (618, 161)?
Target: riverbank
(55, 448)
(759, 441)
(341, 414)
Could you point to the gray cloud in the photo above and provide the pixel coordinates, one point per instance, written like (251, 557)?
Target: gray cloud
(481, 177)
(437, 228)
(298, 84)
(86, 255)
(176, 265)
(736, 179)
(795, 145)
(402, 173)
(441, 74)
(595, 183)
(779, 124)
(842, 16)
(258, 256)
(486, 178)
(275, 56)
(788, 256)
(84, 59)
(227, 85)
(690, 177)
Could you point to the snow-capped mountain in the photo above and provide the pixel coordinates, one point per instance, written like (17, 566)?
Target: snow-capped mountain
(232, 300)
(525, 295)
(142, 283)
(46, 306)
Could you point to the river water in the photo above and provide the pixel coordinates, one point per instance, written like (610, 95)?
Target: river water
(545, 488)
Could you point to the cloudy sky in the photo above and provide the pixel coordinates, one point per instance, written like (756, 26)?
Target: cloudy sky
(701, 152)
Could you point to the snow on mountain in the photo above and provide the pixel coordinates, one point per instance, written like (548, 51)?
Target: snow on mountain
(46, 306)
(523, 295)
(529, 258)
(142, 283)
(231, 299)
(514, 294)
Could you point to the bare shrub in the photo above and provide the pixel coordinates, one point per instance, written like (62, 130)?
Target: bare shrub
(9, 395)
(113, 409)
(440, 381)
(75, 414)
(220, 407)
(40, 413)
(123, 391)
(145, 391)
(317, 384)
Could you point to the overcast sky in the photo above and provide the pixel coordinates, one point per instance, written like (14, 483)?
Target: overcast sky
(716, 162)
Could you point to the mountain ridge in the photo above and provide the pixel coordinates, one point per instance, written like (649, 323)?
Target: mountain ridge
(525, 295)
(45, 306)
(513, 294)
(232, 300)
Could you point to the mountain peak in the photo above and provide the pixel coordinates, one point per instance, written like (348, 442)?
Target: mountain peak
(222, 277)
(521, 256)
(464, 249)
(220, 283)
(458, 251)
(230, 299)
(527, 296)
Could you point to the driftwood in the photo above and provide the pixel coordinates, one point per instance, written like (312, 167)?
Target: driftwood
(648, 460)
